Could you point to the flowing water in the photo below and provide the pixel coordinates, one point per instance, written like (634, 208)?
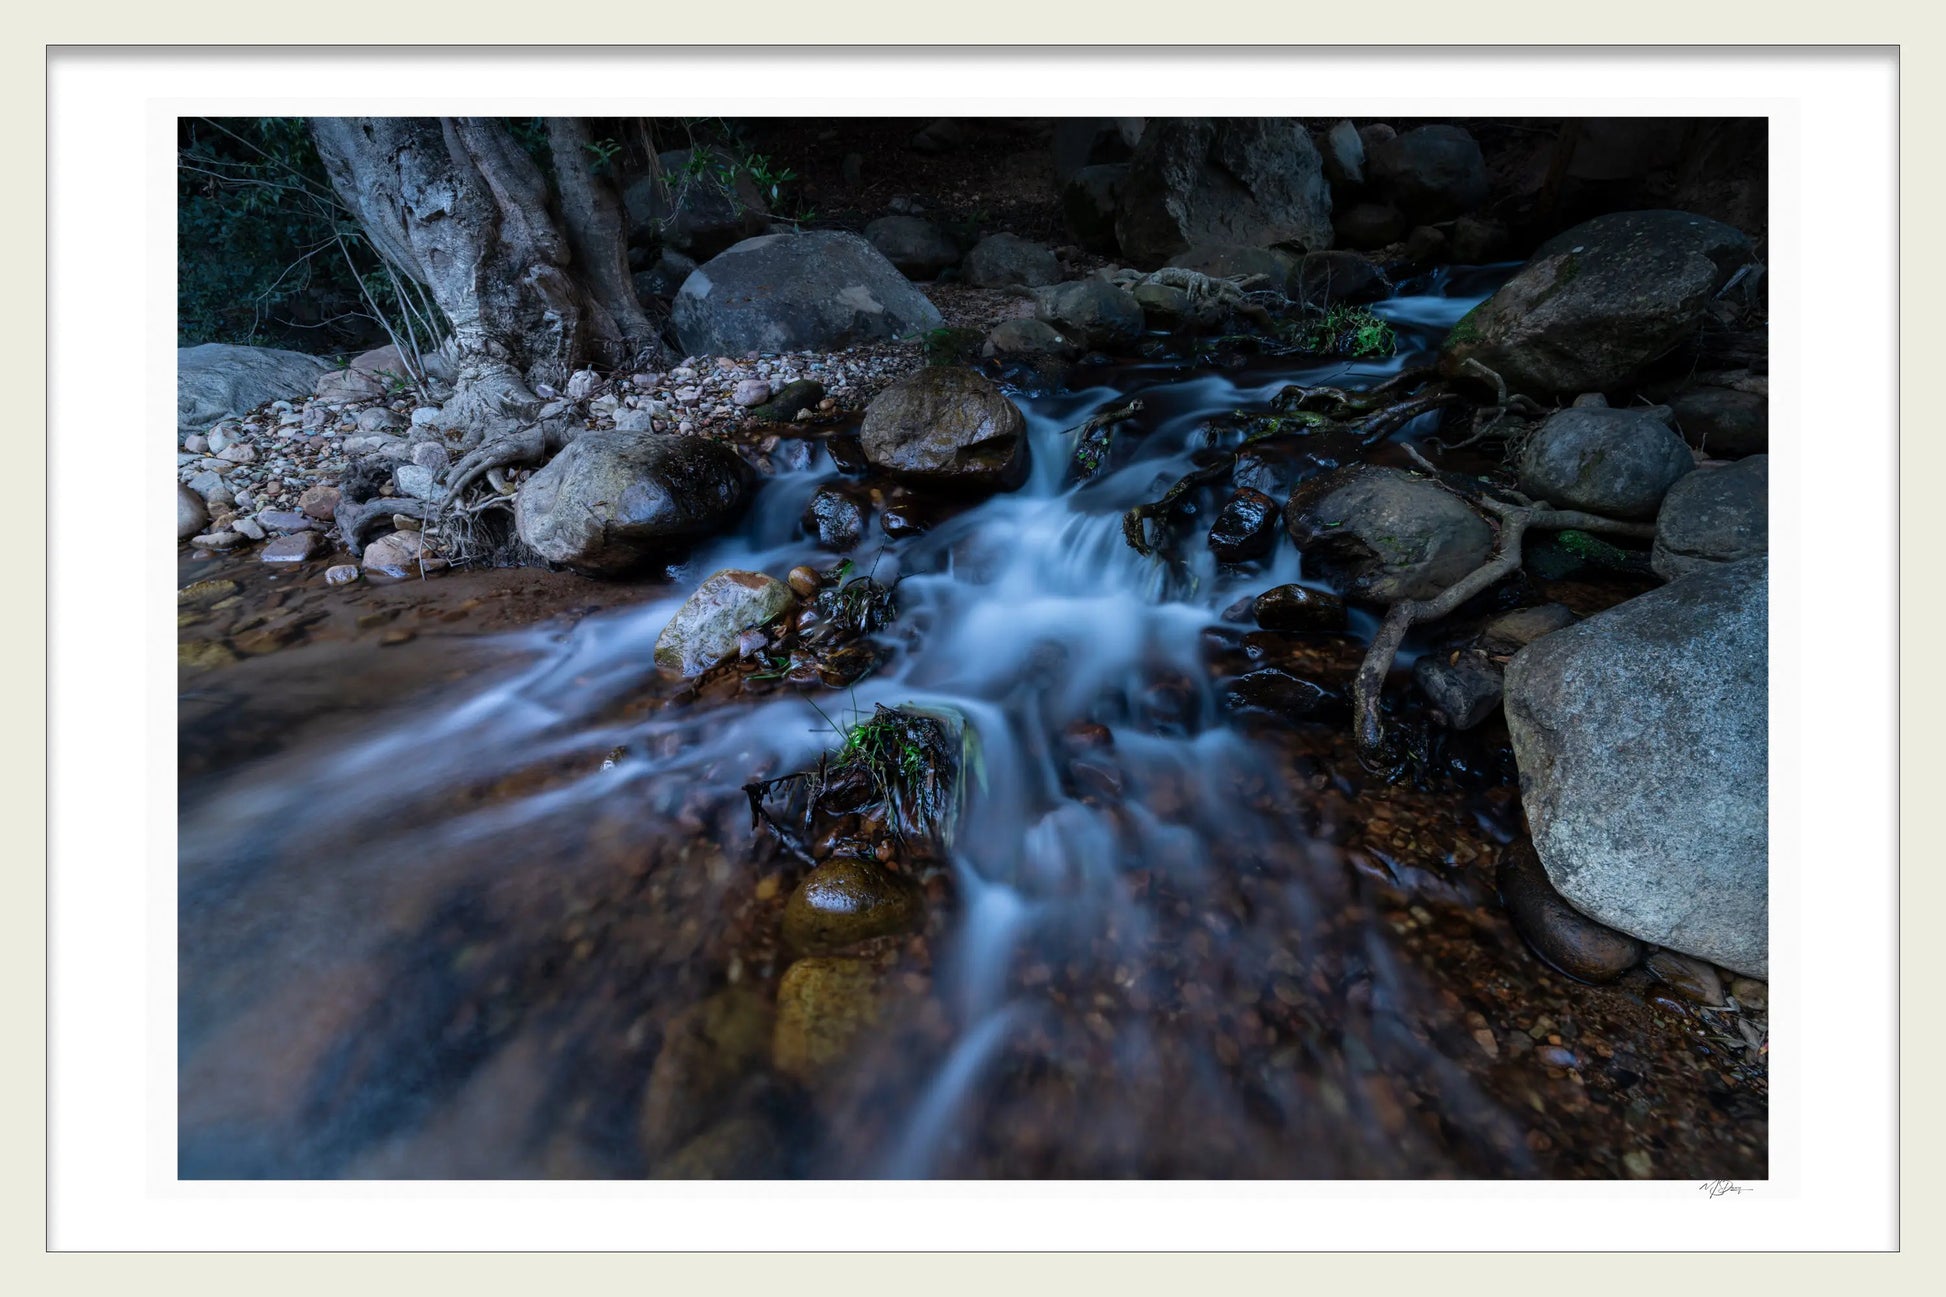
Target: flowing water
(464, 933)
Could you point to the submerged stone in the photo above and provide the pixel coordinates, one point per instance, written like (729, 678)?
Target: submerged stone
(845, 901)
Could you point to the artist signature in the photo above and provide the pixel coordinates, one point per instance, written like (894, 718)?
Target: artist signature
(1717, 1188)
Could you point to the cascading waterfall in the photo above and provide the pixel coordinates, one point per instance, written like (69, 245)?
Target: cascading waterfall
(358, 914)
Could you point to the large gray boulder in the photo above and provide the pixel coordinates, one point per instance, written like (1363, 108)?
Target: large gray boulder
(914, 244)
(949, 427)
(699, 204)
(1617, 463)
(613, 500)
(1642, 736)
(820, 290)
(1247, 180)
(217, 381)
(1431, 173)
(1712, 516)
(1598, 304)
(1382, 535)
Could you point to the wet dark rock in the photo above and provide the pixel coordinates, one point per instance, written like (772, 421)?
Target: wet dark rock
(698, 203)
(1713, 515)
(1370, 226)
(1382, 535)
(1427, 245)
(914, 244)
(845, 901)
(1091, 311)
(1600, 303)
(1560, 934)
(1006, 261)
(948, 427)
(823, 1005)
(1014, 339)
(1085, 143)
(1254, 181)
(704, 631)
(912, 513)
(1088, 201)
(1722, 422)
(706, 1049)
(837, 517)
(1464, 686)
(1510, 632)
(1691, 978)
(1431, 173)
(1165, 307)
(789, 401)
(663, 278)
(1475, 242)
(819, 290)
(1616, 463)
(1642, 736)
(1272, 269)
(1343, 153)
(611, 501)
(1281, 693)
(1325, 278)
(1245, 528)
(1293, 608)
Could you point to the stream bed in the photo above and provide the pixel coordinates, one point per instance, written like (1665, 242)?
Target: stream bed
(467, 890)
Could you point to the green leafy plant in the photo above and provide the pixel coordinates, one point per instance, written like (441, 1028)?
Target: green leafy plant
(949, 345)
(1353, 331)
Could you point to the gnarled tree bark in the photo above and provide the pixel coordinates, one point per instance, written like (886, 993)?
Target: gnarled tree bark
(534, 288)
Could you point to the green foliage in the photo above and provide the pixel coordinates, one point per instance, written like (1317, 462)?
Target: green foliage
(1353, 331)
(949, 345)
(259, 258)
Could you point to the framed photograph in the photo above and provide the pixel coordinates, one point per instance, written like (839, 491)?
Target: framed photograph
(1163, 648)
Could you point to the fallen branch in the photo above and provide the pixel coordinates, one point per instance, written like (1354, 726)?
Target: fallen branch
(1091, 439)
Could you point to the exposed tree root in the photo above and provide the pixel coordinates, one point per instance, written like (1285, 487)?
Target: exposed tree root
(1515, 521)
(1091, 439)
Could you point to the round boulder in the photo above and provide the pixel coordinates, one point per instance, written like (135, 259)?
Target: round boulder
(613, 500)
(1093, 310)
(1382, 535)
(1723, 422)
(1328, 278)
(1712, 516)
(1007, 261)
(1254, 181)
(191, 513)
(1617, 463)
(1598, 304)
(950, 427)
(914, 244)
(820, 290)
(1561, 935)
(1431, 173)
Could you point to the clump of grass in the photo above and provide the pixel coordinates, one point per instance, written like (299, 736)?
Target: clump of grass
(951, 346)
(1353, 331)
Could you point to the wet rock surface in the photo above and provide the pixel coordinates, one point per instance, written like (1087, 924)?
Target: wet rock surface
(1383, 535)
(1714, 515)
(1597, 305)
(1246, 528)
(947, 427)
(1616, 463)
(1560, 934)
(845, 901)
(707, 628)
(613, 501)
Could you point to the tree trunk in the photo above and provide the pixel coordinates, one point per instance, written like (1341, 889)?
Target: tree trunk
(534, 290)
